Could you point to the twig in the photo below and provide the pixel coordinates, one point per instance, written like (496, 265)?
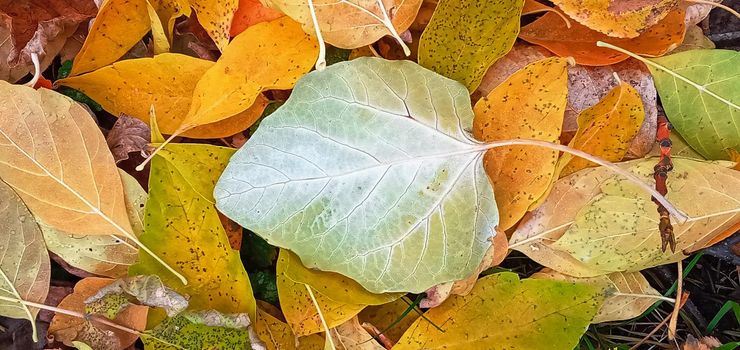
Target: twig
(676, 308)
(684, 297)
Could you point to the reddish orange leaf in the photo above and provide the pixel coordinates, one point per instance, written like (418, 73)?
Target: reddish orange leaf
(251, 12)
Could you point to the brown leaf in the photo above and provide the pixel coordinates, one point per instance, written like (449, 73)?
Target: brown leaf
(40, 27)
(101, 337)
(128, 135)
(703, 343)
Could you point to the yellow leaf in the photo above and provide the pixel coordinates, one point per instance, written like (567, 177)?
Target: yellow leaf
(160, 42)
(274, 333)
(621, 19)
(215, 16)
(351, 336)
(298, 308)
(166, 81)
(594, 222)
(383, 316)
(67, 329)
(268, 55)
(119, 25)
(529, 105)
(168, 11)
(628, 294)
(351, 24)
(606, 129)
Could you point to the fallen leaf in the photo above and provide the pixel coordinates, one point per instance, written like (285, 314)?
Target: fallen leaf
(697, 12)
(547, 315)
(606, 129)
(204, 330)
(465, 37)
(395, 225)
(588, 85)
(520, 55)
(24, 261)
(694, 40)
(128, 135)
(579, 42)
(67, 329)
(299, 309)
(215, 16)
(166, 81)
(233, 231)
(350, 24)
(703, 343)
(351, 336)
(230, 86)
(595, 222)
(160, 43)
(621, 19)
(384, 316)
(119, 25)
(704, 109)
(249, 13)
(168, 11)
(42, 28)
(69, 163)
(628, 294)
(333, 285)
(147, 290)
(522, 174)
(275, 333)
(107, 256)
(180, 209)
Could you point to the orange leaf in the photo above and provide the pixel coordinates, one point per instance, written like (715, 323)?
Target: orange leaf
(530, 105)
(251, 12)
(617, 18)
(579, 41)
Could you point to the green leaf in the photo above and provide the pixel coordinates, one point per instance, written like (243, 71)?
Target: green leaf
(704, 110)
(503, 312)
(205, 330)
(465, 37)
(182, 226)
(368, 170)
(24, 261)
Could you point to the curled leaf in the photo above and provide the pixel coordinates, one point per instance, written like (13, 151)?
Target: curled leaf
(617, 18)
(147, 290)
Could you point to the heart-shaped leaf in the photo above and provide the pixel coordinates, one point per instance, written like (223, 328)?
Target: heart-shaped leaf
(367, 172)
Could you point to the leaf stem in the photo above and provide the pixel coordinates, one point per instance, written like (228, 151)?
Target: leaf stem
(36, 70)
(321, 60)
(329, 337)
(647, 296)
(389, 24)
(679, 215)
(141, 166)
(648, 62)
(72, 313)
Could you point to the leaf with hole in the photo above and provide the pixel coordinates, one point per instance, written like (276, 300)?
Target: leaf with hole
(363, 173)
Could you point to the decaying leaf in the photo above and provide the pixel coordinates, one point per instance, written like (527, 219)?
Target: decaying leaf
(107, 256)
(146, 290)
(67, 329)
(202, 330)
(180, 209)
(396, 199)
(166, 81)
(617, 18)
(579, 41)
(128, 135)
(351, 24)
(37, 27)
(119, 25)
(277, 54)
(628, 294)
(351, 336)
(606, 129)
(464, 37)
(547, 315)
(522, 174)
(52, 145)
(215, 16)
(704, 105)
(24, 261)
(299, 309)
(594, 223)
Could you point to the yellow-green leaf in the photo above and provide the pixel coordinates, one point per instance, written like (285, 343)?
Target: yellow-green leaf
(215, 16)
(166, 81)
(298, 308)
(606, 129)
(269, 55)
(503, 312)
(209, 330)
(628, 294)
(119, 25)
(275, 333)
(529, 105)
(180, 209)
(595, 222)
(465, 37)
(24, 262)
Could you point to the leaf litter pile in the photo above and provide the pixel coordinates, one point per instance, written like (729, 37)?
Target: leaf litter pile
(369, 174)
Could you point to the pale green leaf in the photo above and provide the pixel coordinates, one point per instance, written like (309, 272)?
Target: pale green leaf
(24, 261)
(503, 312)
(704, 111)
(368, 170)
(205, 330)
(465, 37)
(147, 290)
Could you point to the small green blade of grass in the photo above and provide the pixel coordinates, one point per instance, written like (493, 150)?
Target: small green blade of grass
(728, 305)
